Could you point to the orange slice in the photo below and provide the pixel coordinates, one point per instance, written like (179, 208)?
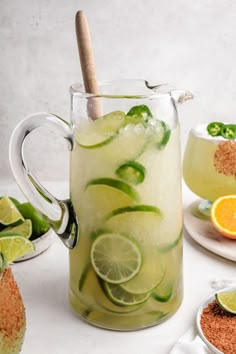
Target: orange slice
(223, 215)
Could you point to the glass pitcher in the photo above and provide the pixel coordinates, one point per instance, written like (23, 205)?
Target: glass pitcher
(123, 221)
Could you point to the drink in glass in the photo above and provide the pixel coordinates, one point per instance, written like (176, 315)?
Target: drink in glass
(209, 166)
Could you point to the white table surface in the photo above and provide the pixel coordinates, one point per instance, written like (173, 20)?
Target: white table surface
(52, 327)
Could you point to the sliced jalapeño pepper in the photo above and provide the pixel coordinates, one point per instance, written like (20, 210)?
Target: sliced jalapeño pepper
(214, 128)
(140, 113)
(165, 136)
(132, 172)
(228, 131)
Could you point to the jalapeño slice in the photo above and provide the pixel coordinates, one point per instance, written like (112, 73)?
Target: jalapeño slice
(164, 137)
(132, 172)
(214, 128)
(228, 131)
(140, 113)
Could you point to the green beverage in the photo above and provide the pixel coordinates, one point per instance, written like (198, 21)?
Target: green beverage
(209, 164)
(123, 221)
(126, 268)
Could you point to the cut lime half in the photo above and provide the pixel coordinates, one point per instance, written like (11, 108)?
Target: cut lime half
(122, 297)
(227, 300)
(15, 246)
(101, 131)
(9, 214)
(115, 258)
(23, 229)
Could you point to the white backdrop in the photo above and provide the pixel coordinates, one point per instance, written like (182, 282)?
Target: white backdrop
(189, 43)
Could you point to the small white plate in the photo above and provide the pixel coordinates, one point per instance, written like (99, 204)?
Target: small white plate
(198, 317)
(203, 232)
(41, 244)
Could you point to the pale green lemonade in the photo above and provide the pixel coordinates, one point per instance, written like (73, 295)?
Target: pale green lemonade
(209, 164)
(126, 269)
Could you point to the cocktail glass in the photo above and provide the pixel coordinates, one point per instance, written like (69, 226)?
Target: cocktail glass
(123, 222)
(209, 167)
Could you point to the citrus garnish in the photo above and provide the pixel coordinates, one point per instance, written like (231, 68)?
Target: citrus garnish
(144, 208)
(3, 264)
(115, 258)
(14, 200)
(140, 221)
(227, 300)
(223, 215)
(9, 214)
(163, 292)
(14, 246)
(132, 172)
(39, 225)
(117, 184)
(101, 131)
(23, 229)
(149, 276)
(122, 297)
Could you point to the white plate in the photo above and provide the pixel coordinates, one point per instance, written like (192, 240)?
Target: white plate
(203, 232)
(198, 318)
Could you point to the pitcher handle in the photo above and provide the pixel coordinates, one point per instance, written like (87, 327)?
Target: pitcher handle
(59, 213)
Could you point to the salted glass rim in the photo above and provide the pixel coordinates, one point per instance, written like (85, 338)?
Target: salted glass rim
(78, 89)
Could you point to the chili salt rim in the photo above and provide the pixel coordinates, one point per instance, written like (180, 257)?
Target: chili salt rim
(224, 158)
(199, 313)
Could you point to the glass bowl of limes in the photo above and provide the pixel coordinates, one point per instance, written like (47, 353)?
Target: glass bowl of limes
(23, 220)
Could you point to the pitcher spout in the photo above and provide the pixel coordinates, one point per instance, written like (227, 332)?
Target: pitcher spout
(181, 96)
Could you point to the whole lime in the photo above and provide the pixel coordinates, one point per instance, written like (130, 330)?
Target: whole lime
(39, 224)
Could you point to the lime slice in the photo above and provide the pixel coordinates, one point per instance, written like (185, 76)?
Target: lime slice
(9, 214)
(92, 284)
(149, 276)
(115, 258)
(140, 221)
(101, 131)
(130, 143)
(3, 264)
(163, 292)
(15, 201)
(23, 229)
(132, 172)
(100, 200)
(122, 297)
(14, 246)
(166, 247)
(227, 300)
(136, 208)
(115, 183)
(39, 224)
